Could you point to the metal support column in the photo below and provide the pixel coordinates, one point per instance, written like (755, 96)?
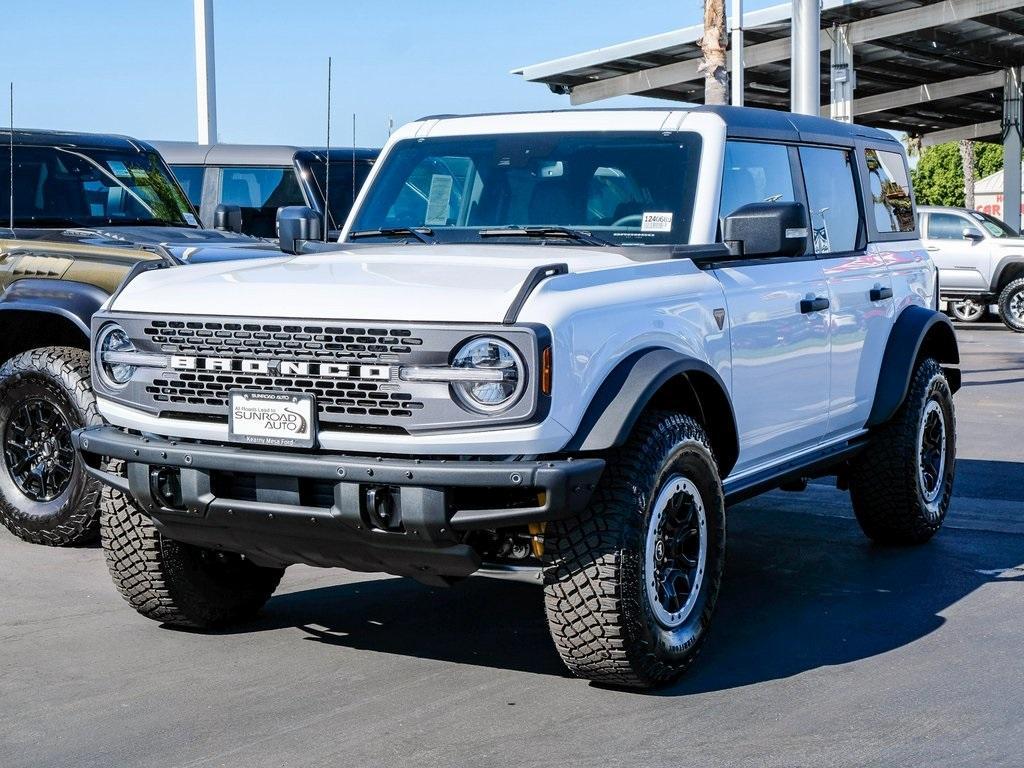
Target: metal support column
(206, 84)
(1012, 147)
(736, 73)
(843, 78)
(805, 57)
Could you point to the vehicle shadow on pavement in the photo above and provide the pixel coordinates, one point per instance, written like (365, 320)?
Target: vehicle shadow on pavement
(801, 592)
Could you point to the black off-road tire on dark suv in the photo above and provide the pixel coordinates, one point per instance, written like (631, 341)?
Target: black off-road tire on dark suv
(46, 497)
(616, 576)
(175, 583)
(1011, 305)
(902, 482)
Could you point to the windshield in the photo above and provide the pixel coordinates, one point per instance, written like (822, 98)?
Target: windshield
(994, 226)
(626, 188)
(76, 187)
(346, 181)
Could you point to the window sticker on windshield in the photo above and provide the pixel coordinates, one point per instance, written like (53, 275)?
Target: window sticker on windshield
(439, 200)
(119, 169)
(190, 219)
(656, 222)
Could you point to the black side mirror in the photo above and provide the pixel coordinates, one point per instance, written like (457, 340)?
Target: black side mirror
(296, 223)
(972, 234)
(766, 229)
(227, 218)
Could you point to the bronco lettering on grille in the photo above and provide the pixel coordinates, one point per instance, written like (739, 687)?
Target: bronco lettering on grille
(284, 367)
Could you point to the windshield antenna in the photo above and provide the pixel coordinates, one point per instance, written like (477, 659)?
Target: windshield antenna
(11, 211)
(327, 154)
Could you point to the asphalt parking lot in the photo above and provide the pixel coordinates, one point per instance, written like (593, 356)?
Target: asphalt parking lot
(826, 650)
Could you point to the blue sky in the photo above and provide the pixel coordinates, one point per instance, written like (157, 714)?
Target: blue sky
(128, 66)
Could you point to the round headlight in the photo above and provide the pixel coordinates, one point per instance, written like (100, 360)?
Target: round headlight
(113, 341)
(502, 378)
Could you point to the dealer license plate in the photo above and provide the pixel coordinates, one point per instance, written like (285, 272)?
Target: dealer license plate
(285, 419)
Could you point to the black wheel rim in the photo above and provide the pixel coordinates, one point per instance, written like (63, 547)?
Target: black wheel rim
(38, 451)
(932, 452)
(676, 551)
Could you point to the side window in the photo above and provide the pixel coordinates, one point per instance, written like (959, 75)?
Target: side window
(190, 177)
(259, 192)
(832, 198)
(755, 173)
(949, 226)
(889, 185)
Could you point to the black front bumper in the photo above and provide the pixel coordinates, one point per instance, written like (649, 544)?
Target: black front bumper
(281, 508)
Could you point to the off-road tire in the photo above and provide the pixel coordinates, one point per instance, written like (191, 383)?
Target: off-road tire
(962, 316)
(175, 583)
(885, 486)
(60, 377)
(1011, 302)
(598, 612)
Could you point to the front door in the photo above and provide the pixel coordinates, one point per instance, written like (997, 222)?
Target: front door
(962, 260)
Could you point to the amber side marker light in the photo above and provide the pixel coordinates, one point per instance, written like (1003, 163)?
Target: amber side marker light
(545, 371)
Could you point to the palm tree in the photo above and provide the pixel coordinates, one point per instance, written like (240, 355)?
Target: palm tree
(967, 159)
(713, 46)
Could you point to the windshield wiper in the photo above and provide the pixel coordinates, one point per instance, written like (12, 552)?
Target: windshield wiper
(568, 233)
(423, 234)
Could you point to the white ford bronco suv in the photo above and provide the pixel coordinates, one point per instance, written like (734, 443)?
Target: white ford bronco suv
(552, 343)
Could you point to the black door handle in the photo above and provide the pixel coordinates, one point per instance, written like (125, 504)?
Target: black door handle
(880, 293)
(814, 305)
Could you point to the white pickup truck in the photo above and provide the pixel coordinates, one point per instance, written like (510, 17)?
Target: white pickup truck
(554, 343)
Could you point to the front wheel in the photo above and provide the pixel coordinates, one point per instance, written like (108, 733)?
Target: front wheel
(902, 482)
(175, 583)
(631, 583)
(46, 497)
(1011, 305)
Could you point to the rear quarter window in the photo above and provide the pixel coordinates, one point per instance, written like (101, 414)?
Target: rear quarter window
(891, 205)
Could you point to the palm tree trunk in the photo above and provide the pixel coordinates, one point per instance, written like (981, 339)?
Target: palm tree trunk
(713, 47)
(967, 160)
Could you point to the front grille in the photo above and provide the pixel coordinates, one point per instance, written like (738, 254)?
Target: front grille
(389, 405)
(336, 398)
(309, 342)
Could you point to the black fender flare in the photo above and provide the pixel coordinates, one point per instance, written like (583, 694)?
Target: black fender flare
(1007, 262)
(916, 329)
(632, 385)
(74, 301)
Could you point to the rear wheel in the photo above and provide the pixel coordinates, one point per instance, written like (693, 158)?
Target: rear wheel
(1011, 305)
(631, 583)
(967, 310)
(901, 484)
(46, 497)
(177, 583)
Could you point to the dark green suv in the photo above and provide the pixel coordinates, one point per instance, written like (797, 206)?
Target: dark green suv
(87, 209)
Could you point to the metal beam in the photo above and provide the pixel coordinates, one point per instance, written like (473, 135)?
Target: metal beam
(843, 76)
(920, 94)
(805, 57)
(1012, 147)
(976, 131)
(206, 83)
(865, 30)
(736, 54)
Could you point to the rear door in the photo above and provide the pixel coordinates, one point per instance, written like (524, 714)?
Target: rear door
(859, 285)
(959, 249)
(779, 341)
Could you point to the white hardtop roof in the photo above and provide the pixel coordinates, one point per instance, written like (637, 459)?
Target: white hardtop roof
(555, 120)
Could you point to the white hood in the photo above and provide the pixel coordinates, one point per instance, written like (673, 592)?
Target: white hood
(431, 283)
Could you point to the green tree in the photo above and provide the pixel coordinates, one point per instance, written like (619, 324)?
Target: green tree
(939, 176)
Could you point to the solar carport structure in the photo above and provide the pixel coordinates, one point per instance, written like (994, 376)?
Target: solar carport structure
(940, 71)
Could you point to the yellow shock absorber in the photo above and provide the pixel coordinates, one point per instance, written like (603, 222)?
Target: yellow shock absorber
(537, 533)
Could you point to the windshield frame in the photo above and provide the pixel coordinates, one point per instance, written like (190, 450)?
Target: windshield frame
(98, 158)
(684, 208)
(983, 220)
